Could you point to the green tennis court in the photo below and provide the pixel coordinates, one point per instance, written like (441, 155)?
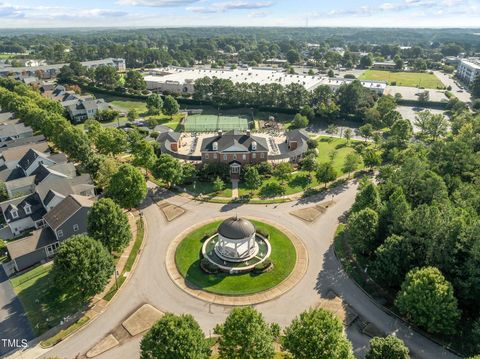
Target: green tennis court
(205, 123)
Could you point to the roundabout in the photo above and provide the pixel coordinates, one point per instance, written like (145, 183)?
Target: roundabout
(271, 265)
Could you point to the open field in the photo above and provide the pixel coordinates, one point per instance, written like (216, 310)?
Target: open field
(45, 304)
(409, 79)
(283, 257)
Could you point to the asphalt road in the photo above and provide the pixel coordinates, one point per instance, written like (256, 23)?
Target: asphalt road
(14, 325)
(150, 282)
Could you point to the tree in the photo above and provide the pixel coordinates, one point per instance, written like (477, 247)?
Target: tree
(245, 334)
(366, 131)
(170, 106)
(108, 224)
(362, 229)
(107, 167)
(154, 104)
(352, 163)
(371, 158)
(218, 184)
(127, 187)
(106, 75)
(272, 189)
(134, 81)
(107, 115)
(111, 141)
(309, 163)
(175, 337)
(398, 63)
(395, 213)
(330, 73)
(368, 197)
(389, 347)
(348, 135)
(293, 56)
(282, 171)
(253, 180)
(332, 129)
(132, 115)
(3, 192)
(300, 121)
(143, 154)
(366, 61)
(326, 173)
(82, 265)
(168, 169)
(432, 126)
(401, 131)
(427, 300)
(423, 96)
(318, 334)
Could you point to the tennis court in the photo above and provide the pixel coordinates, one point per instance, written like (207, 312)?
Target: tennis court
(206, 123)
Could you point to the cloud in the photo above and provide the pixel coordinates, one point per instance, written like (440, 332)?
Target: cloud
(230, 5)
(259, 14)
(10, 11)
(157, 3)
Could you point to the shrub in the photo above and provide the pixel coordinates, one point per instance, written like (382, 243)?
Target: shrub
(263, 267)
(208, 267)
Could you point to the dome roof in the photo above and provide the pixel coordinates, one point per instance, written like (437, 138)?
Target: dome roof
(236, 228)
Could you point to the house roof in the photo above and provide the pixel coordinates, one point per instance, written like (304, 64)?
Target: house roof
(39, 239)
(19, 204)
(22, 141)
(51, 194)
(10, 175)
(234, 141)
(29, 157)
(16, 153)
(66, 209)
(13, 129)
(169, 136)
(20, 183)
(297, 135)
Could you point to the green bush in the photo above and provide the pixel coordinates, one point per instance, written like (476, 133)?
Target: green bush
(263, 267)
(208, 267)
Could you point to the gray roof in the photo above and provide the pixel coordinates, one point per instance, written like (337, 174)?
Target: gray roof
(297, 135)
(17, 152)
(10, 175)
(66, 209)
(20, 183)
(39, 239)
(235, 139)
(19, 204)
(51, 195)
(169, 136)
(13, 129)
(236, 228)
(29, 158)
(162, 129)
(22, 141)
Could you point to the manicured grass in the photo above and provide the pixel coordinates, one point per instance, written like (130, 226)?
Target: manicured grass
(61, 335)
(410, 79)
(327, 145)
(45, 304)
(128, 105)
(4, 56)
(188, 255)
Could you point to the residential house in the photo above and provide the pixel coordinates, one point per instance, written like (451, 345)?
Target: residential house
(68, 218)
(14, 131)
(82, 110)
(385, 65)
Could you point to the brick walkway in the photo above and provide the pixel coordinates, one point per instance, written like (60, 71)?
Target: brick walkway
(298, 272)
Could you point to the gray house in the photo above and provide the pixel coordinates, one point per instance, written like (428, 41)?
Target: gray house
(14, 131)
(68, 218)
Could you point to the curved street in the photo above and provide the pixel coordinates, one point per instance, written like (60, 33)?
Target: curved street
(151, 284)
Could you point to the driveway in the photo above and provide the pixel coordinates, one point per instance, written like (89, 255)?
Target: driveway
(150, 282)
(14, 324)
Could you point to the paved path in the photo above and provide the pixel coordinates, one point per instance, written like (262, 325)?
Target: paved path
(151, 284)
(13, 321)
(234, 189)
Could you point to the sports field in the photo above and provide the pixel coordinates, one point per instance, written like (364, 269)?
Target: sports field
(206, 123)
(409, 79)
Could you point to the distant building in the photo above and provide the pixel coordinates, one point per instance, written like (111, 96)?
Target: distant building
(468, 69)
(81, 110)
(385, 65)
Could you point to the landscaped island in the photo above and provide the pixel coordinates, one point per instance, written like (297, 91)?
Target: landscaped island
(262, 276)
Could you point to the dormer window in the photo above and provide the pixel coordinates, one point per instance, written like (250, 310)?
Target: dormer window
(215, 146)
(14, 213)
(28, 209)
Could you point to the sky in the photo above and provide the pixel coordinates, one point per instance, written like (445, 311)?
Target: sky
(177, 13)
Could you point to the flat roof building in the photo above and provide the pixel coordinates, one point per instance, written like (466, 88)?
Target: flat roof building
(469, 69)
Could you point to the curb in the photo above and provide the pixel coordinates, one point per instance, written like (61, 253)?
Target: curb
(283, 287)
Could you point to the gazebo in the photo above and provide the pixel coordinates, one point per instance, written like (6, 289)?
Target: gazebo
(236, 240)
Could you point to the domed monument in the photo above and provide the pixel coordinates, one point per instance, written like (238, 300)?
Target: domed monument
(236, 247)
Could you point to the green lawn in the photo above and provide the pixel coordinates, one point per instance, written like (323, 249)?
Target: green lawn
(410, 79)
(339, 146)
(188, 255)
(44, 304)
(128, 105)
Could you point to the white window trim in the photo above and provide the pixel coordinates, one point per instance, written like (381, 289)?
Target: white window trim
(76, 228)
(28, 209)
(59, 233)
(14, 213)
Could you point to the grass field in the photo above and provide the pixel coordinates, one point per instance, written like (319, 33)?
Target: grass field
(199, 123)
(409, 79)
(44, 304)
(128, 105)
(188, 254)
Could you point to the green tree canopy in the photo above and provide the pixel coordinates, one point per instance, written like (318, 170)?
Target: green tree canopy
(108, 224)
(170, 106)
(368, 197)
(127, 187)
(175, 337)
(318, 334)
(253, 180)
(427, 299)
(168, 169)
(134, 80)
(154, 104)
(389, 347)
(362, 229)
(245, 334)
(82, 265)
(326, 173)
